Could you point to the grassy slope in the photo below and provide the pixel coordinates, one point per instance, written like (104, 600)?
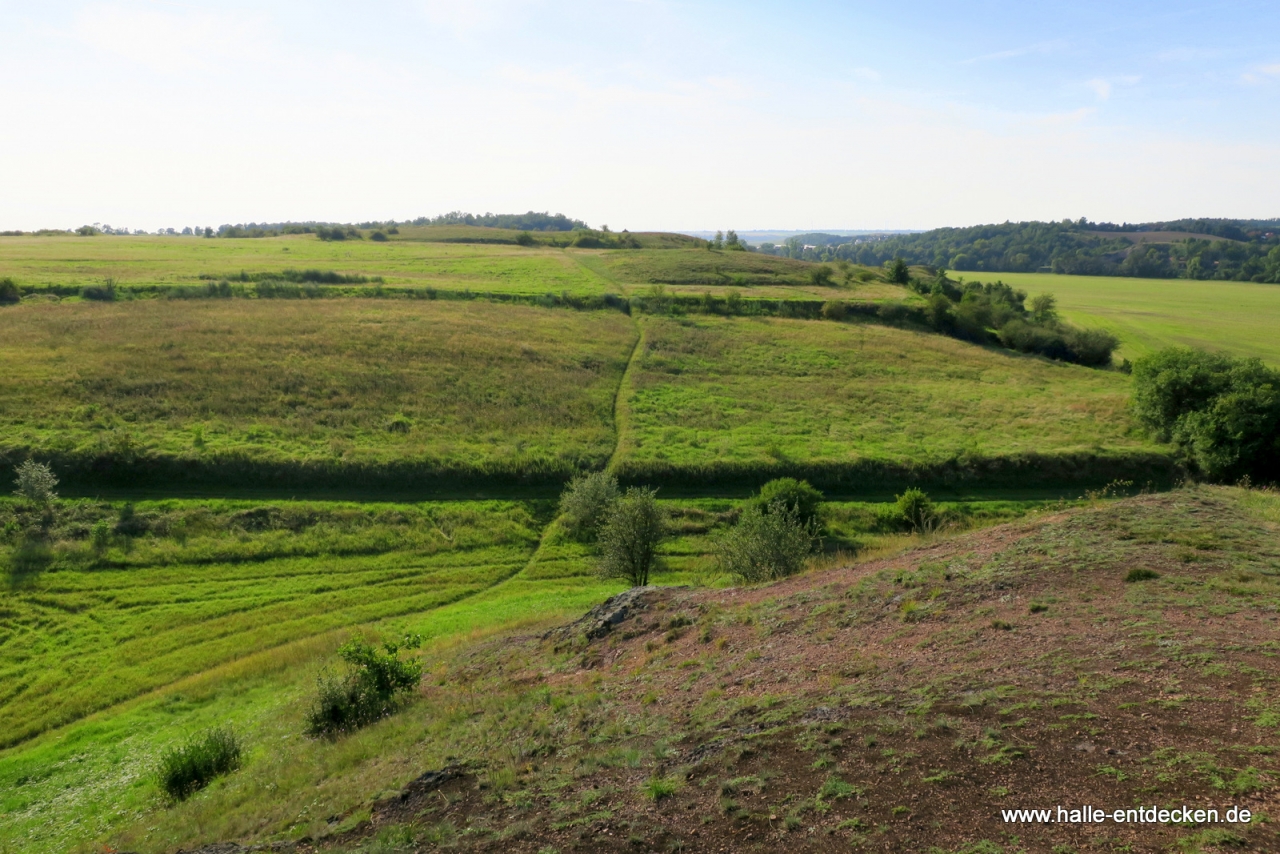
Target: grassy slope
(739, 397)
(900, 704)
(315, 385)
(1147, 314)
(224, 611)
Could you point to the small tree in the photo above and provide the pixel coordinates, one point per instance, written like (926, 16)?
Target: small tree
(767, 543)
(820, 276)
(898, 272)
(630, 537)
(1044, 309)
(9, 292)
(36, 483)
(586, 501)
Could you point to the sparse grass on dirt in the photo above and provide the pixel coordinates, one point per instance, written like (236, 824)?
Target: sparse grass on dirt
(870, 705)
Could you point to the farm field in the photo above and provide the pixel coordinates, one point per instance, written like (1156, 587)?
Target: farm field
(75, 262)
(257, 390)
(1148, 314)
(745, 399)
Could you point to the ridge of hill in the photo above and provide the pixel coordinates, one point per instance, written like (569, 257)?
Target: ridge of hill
(1119, 655)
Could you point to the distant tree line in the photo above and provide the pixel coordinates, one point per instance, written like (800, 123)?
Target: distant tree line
(531, 221)
(1240, 250)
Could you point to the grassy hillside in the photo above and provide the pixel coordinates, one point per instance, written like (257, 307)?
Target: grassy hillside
(863, 405)
(253, 391)
(899, 703)
(1148, 314)
(201, 612)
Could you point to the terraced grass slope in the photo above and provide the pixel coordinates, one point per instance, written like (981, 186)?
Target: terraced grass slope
(334, 392)
(862, 406)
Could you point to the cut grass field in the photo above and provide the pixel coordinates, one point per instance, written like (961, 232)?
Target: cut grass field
(1148, 314)
(896, 703)
(255, 391)
(862, 406)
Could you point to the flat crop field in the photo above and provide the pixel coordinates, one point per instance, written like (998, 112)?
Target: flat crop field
(1148, 314)
(742, 397)
(422, 387)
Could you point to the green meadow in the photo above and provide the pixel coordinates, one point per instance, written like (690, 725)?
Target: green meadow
(750, 398)
(1147, 314)
(250, 388)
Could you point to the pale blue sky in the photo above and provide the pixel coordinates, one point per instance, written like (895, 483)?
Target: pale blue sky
(640, 114)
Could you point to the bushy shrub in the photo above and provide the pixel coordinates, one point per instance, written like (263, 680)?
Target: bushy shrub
(834, 310)
(9, 292)
(893, 312)
(821, 276)
(913, 510)
(187, 769)
(524, 238)
(586, 501)
(767, 543)
(792, 494)
(100, 537)
(630, 536)
(36, 483)
(378, 237)
(1223, 412)
(370, 690)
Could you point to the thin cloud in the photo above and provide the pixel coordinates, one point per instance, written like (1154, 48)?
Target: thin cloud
(1038, 48)
(1100, 87)
(1261, 74)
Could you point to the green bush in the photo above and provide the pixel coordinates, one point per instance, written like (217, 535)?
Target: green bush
(834, 310)
(9, 292)
(792, 494)
(187, 769)
(1141, 574)
(1223, 412)
(100, 537)
(586, 501)
(767, 543)
(914, 511)
(36, 483)
(820, 276)
(630, 536)
(897, 271)
(106, 292)
(378, 237)
(524, 238)
(371, 689)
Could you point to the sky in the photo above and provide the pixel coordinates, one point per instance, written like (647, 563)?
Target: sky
(639, 114)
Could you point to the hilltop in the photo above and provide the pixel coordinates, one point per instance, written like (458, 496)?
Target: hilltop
(1114, 655)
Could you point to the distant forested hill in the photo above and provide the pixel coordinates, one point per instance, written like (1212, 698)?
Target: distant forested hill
(1244, 250)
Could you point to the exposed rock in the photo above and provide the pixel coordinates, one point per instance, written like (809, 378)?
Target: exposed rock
(602, 619)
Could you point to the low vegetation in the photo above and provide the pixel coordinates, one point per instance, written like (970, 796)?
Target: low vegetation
(372, 688)
(187, 769)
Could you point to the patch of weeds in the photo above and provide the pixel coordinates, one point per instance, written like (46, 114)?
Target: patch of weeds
(834, 789)
(657, 788)
(940, 776)
(1001, 625)
(1141, 574)
(1038, 608)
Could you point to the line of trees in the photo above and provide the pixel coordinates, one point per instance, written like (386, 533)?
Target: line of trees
(1230, 250)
